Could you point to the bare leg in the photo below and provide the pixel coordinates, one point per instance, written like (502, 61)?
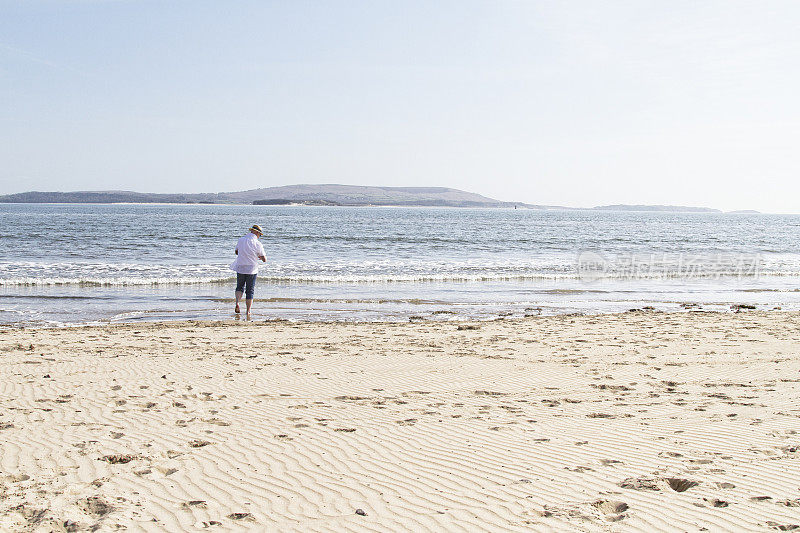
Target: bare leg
(238, 297)
(249, 303)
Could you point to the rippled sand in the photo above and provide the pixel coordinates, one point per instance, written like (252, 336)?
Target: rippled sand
(639, 421)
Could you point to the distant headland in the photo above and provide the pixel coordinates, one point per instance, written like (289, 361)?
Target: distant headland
(333, 195)
(323, 195)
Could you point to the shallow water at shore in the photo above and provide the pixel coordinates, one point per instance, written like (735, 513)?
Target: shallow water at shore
(365, 302)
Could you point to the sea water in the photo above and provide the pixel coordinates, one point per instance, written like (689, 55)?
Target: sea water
(86, 263)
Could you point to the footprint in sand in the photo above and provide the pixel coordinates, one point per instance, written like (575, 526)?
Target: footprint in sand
(197, 504)
(579, 469)
(611, 509)
(715, 502)
(166, 470)
(783, 527)
(95, 506)
(680, 484)
(241, 516)
(643, 483)
(207, 524)
(16, 478)
(215, 421)
(121, 458)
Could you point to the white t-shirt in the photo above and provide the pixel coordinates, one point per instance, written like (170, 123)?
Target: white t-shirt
(248, 248)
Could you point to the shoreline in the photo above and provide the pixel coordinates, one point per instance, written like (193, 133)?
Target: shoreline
(641, 421)
(452, 319)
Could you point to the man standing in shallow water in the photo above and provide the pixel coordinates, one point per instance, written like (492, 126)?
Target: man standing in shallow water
(248, 252)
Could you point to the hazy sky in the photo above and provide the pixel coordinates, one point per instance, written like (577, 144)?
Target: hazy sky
(573, 103)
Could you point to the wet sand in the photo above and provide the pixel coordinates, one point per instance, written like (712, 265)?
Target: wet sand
(640, 421)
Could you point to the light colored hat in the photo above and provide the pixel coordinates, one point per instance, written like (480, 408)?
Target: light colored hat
(256, 228)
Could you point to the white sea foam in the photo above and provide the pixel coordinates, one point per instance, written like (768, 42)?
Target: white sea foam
(361, 279)
(107, 282)
(337, 270)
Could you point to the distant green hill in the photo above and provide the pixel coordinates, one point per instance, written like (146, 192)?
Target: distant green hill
(308, 194)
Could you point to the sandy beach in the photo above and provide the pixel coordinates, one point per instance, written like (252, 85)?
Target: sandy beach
(640, 421)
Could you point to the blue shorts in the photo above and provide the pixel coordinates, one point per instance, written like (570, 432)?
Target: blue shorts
(246, 283)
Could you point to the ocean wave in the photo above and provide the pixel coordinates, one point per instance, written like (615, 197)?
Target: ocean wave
(405, 270)
(304, 279)
(110, 282)
(449, 277)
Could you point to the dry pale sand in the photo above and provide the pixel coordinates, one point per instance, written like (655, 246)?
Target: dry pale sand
(634, 422)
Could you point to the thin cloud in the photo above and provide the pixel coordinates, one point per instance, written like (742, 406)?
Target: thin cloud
(24, 54)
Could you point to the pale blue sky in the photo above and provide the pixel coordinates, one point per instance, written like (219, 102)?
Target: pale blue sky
(562, 102)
